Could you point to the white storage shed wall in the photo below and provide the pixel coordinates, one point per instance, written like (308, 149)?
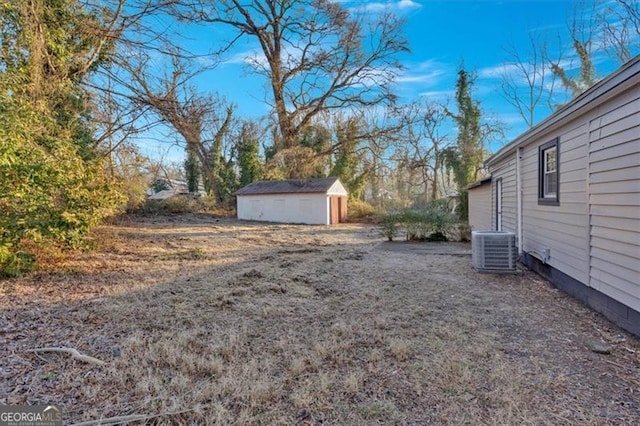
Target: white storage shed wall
(312, 209)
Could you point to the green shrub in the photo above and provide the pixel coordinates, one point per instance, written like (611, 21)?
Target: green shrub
(441, 220)
(178, 204)
(361, 211)
(389, 225)
(434, 223)
(49, 195)
(416, 223)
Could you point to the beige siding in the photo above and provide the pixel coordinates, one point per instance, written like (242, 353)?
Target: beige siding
(593, 233)
(614, 186)
(507, 172)
(562, 229)
(480, 207)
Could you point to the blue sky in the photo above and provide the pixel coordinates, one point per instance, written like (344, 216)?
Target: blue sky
(442, 34)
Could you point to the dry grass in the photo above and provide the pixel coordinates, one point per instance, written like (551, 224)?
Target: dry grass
(211, 321)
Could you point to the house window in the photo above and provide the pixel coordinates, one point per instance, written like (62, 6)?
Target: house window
(549, 174)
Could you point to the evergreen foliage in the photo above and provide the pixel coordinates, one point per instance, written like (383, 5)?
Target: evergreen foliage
(434, 223)
(54, 188)
(192, 171)
(348, 162)
(249, 161)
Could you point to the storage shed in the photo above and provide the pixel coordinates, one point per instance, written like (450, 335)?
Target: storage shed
(309, 201)
(569, 188)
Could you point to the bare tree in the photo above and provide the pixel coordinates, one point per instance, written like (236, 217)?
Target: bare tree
(131, 32)
(426, 144)
(315, 54)
(620, 21)
(527, 82)
(203, 121)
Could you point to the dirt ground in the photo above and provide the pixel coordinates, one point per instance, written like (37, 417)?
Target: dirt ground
(205, 320)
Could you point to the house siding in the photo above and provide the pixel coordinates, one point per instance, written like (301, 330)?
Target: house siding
(614, 200)
(507, 172)
(592, 235)
(560, 229)
(480, 207)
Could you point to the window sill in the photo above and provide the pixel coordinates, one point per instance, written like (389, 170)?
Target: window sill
(548, 202)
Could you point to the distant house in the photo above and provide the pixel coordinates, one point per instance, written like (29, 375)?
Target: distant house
(161, 189)
(309, 201)
(569, 188)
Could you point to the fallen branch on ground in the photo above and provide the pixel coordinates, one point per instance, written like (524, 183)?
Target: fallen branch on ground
(114, 420)
(73, 352)
(124, 419)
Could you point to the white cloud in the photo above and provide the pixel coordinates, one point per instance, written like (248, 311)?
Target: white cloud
(373, 7)
(511, 118)
(497, 71)
(246, 57)
(438, 94)
(256, 58)
(428, 72)
(376, 7)
(408, 4)
(429, 77)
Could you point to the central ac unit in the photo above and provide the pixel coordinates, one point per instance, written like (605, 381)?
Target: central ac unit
(493, 251)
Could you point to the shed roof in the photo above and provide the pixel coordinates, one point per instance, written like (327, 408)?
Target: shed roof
(291, 186)
(626, 76)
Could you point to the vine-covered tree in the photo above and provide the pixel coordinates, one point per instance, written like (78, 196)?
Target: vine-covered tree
(348, 165)
(203, 121)
(466, 156)
(248, 151)
(612, 27)
(584, 31)
(317, 138)
(192, 171)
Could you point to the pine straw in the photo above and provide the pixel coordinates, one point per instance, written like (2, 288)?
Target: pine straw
(221, 322)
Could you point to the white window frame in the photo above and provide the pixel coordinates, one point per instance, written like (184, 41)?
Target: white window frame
(545, 196)
(547, 178)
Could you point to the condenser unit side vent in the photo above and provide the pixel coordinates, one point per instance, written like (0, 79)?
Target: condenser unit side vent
(493, 251)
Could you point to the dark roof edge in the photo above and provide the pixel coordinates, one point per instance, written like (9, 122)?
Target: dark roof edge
(278, 186)
(606, 86)
(480, 183)
(250, 194)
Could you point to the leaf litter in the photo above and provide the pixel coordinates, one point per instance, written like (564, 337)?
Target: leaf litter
(205, 320)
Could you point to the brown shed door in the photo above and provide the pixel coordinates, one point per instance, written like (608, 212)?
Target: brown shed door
(334, 211)
(342, 203)
(338, 209)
